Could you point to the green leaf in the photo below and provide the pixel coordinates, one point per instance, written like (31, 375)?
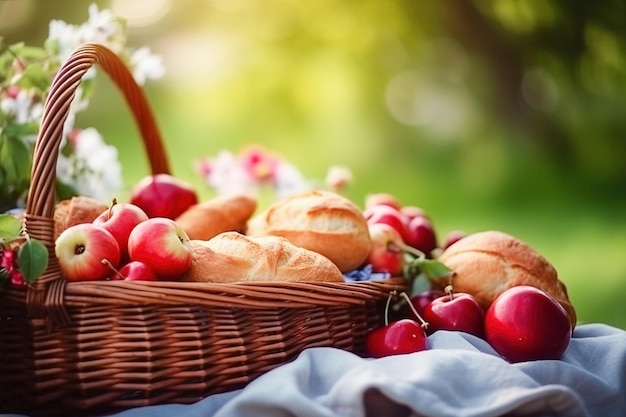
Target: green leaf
(10, 227)
(32, 258)
(35, 76)
(16, 162)
(18, 130)
(434, 269)
(430, 268)
(420, 284)
(65, 191)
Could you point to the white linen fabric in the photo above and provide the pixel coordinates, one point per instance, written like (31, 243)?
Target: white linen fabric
(458, 376)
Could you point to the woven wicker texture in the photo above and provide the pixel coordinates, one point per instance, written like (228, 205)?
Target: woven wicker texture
(84, 348)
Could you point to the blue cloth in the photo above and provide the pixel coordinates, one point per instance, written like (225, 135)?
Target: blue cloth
(459, 375)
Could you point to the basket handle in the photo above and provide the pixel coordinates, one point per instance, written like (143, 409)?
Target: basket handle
(41, 198)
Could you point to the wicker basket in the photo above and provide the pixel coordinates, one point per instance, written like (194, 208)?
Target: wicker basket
(95, 347)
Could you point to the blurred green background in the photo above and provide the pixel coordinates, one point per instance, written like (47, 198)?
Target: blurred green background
(489, 114)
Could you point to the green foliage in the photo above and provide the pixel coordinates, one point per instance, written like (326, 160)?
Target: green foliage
(32, 259)
(10, 228)
(32, 255)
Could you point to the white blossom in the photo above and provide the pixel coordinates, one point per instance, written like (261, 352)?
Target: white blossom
(105, 28)
(21, 107)
(93, 168)
(146, 65)
(227, 175)
(66, 36)
(289, 180)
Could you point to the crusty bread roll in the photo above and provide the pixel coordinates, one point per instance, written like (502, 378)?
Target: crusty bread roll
(75, 210)
(485, 264)
(234, 257)
(321, 221)
(220, 214)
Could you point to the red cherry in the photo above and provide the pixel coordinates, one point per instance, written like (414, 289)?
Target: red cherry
(525, 323)
(382, 199)
(412, 211)
(455, 311)
(422, 299)
(400, 337)
(420, 234)
(382, 213)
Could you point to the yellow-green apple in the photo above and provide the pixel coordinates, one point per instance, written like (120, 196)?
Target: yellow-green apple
(80, 250)
(382, 199)
(119, 220)
(163, 195)
(420, 234)
(382, 213)
(386, 254)
(163, 245)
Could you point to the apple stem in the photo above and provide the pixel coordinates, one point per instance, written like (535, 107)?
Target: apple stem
(423, 323)
(448, 289)
(112, 268)
(113, 203)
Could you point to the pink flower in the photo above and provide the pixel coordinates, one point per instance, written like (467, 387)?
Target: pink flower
(259, 164)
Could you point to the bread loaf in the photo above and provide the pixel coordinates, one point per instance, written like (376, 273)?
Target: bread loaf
(485, 264)
(234, 257)
(220, 214)
(321, 221)
(75, 210)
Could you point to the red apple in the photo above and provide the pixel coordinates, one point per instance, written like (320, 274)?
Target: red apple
(420, 234)
(452, 237)
(455, 311)
(399, 337)
(80, 249)
(119, 220)
(422, 299)
(386, 254)
(385, 199)
(163, 245)
(163, 195)
(134, 271)
(525, 323)
(388, 215)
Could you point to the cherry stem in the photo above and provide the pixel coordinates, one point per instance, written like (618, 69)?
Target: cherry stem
(448, 289)
(112, 268)
(423, 323)
(388, 304)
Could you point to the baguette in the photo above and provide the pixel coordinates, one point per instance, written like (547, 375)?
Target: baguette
(224, 213)
(234, 257)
